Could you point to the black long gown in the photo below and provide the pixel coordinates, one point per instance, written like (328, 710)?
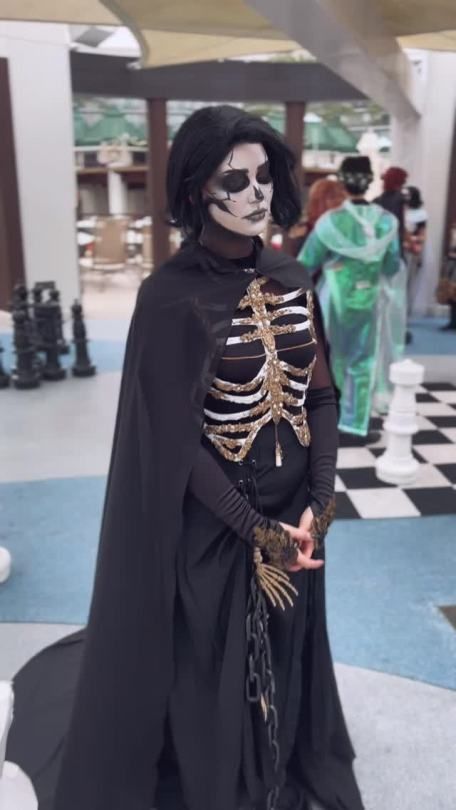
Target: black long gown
(213, 752)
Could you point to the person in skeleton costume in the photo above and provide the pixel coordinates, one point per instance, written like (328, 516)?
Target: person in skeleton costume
(206, 681)
(358, 247)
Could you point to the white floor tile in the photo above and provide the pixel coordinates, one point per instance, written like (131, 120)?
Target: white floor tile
(428, 476)
(423, 423)
(339, 485)
(444, 396)
(382, 503)
(354, 457)
(437, 453)
(20, 642)
(450, 433)
(435, 409)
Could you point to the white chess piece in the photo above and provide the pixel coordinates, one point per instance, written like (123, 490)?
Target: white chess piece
(397, 465)
(16, 791)
(5, 564)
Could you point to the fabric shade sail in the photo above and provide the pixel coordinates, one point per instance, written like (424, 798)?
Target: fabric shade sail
(198, 30)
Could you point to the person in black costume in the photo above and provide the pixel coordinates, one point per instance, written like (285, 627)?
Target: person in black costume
(393, 198)
(207, 681)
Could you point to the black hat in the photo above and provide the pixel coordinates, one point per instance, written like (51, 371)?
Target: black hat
(356, 174)
(358, 164)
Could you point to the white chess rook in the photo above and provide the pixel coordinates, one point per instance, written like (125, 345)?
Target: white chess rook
(397, 464)
(5, 566)
(16, 791)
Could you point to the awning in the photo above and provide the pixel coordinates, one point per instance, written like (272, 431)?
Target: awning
(198, 30)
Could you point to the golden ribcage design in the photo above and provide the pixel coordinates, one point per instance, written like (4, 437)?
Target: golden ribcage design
(273, 392)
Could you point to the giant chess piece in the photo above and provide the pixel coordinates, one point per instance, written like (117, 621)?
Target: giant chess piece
(16, 789)
(52, 369)
(83, 366)
(5, 564)
(397, 465)
(26, 374)
(54, 297)
(20, 299)
(4, 377)
(37, 298)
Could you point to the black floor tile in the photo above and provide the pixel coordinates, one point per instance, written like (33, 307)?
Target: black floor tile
(378, 451)
(443, 421)
(430, 437)
(448, 470)
(361, 478)
(344, 507)
(434, 500)
(449, 611)
(351, 440)
(426, 398)
(439, 386)
(376, 423)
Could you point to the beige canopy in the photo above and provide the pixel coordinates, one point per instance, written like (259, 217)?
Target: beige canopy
(176, 31)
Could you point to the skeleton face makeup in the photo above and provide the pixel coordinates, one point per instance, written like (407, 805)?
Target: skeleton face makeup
(239, 193)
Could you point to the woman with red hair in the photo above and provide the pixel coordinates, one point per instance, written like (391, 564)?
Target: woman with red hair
(324, 195)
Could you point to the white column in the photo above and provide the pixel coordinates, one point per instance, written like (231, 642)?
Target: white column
(38, 57)
(423, 147)
(117, 196)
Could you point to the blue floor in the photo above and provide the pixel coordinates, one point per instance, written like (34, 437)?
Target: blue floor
(107, 355)
(386, 579)
(427, 337)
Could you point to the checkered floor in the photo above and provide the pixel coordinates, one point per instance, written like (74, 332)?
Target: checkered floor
(359, 492)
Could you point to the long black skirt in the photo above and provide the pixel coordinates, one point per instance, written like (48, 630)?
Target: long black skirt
(216, 754)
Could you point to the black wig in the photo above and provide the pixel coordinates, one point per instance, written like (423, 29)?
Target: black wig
(200, 146)
(413, 197)
(356, 174)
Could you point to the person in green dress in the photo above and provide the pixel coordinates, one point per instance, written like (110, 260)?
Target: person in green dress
(357, 246)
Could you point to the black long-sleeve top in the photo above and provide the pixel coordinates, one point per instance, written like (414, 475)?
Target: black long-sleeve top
(243, 394)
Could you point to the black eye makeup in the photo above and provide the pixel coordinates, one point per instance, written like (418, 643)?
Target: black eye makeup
(235, 181)
(264, 175)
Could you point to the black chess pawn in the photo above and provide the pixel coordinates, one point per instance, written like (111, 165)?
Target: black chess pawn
(20, 298)
(26, 373)
(83, 366)
(54, 296)
(37, 299)
(52, 369)
(4, 377)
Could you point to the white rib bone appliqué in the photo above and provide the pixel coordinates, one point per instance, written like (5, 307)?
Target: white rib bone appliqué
(274, 390)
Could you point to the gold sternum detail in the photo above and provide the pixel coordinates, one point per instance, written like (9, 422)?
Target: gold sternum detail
(271, 392)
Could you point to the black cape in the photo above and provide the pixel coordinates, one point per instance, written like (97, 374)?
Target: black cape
(180, 325)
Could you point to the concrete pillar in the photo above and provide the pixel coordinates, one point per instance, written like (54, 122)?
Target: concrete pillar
(40, 83)
(117, 193)
(423, 147)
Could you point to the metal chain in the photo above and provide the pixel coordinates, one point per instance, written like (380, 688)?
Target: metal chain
(260, 682)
